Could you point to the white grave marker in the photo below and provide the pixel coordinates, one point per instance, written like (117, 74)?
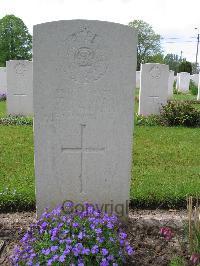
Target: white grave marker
(3, 80)
(154, 88)
(183, 81)
(170, 83)
(83, 107)
(19, 87)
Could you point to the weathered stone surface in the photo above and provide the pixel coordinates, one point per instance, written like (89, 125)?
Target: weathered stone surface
(183, 81)
(83, 106)
(170, 83)
(3, 80)
(19, 87)
(154, 88)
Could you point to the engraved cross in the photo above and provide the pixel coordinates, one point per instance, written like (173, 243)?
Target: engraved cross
(81, 150)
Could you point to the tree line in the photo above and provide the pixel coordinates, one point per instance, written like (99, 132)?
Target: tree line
(16, 44)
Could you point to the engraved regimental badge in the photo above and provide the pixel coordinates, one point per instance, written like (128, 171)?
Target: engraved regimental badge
(86, 56)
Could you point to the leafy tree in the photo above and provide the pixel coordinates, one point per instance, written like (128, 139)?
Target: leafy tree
(157, 58)
(15, 40)
(185, 66)
(148, 42)
(173, 60)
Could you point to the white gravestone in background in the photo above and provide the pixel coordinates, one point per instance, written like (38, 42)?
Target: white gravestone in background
(137, 79)
(170, 83)
(3, 80)
(83, 107)
(154, 88)
(198, 95)
(183, 81)
(19, 87)
(195, 78)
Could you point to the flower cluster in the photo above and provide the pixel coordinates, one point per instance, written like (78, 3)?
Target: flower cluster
(88, 237)
(167, 233)
(2, 96)
(16, 121)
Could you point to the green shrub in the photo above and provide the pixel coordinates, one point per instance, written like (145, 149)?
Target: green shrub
(179, 113)
(193, 88)
(151, 120)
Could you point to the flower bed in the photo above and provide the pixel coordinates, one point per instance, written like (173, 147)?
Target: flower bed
(80, 238)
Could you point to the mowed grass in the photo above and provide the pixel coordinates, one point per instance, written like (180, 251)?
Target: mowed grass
(165, 166)
(16, 168)
(2, 108)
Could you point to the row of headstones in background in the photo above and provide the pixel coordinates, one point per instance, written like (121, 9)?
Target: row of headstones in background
(19, 87)
(156, 86)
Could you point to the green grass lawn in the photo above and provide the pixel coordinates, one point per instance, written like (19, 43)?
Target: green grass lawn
(165, 166)
(2, 108)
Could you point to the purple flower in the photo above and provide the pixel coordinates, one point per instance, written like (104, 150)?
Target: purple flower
(54, 232)
(62, 258)
(55, 257)
(75, 224)
(129, 250)
(46, 251)
(66, 251)
(80, 235)
(110, 257)
(110, 225)
(104, 262)
(44, 225)
(54, 248)
(49, 262)
(98, 230)
(104, 251)
(86, 251)
(95, 249)
(68, 241)
(53, 238)
(123, 235)
(100, 239)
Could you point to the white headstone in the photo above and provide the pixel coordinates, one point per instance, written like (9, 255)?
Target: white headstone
(83, 111)
(154, 88)
(198, 95)
(170, 83)
(183, 81)
(3, 80)
(137, 79)
(195, 78)
(19, 87)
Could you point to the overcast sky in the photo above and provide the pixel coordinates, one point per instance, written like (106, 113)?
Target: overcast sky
(170, 18)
